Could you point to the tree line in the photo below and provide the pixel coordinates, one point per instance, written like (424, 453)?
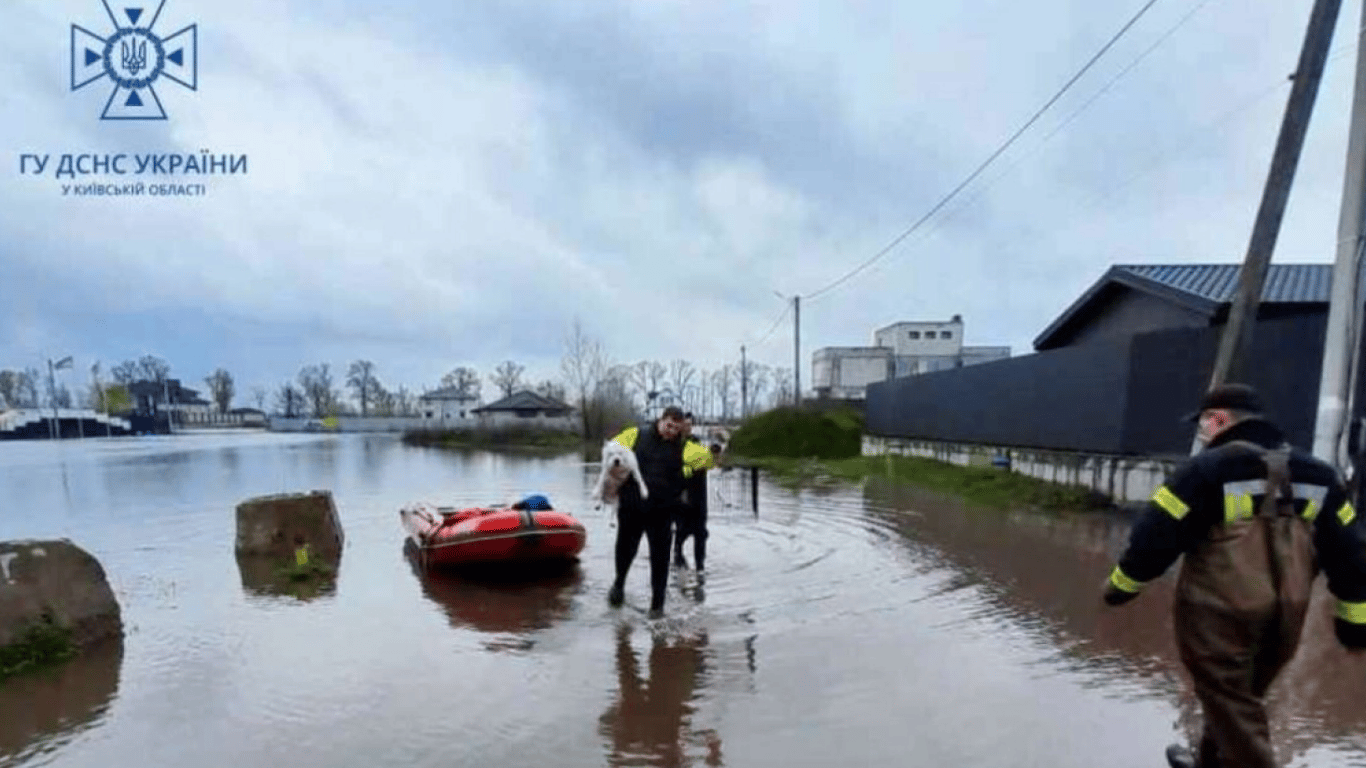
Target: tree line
(603, 391)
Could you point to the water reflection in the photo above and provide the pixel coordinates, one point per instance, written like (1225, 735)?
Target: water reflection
(650, 723)
(46, 709)
(1043, 572)
(268, 577)
(513, 601)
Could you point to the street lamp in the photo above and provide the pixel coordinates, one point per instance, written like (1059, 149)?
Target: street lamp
(52, 368)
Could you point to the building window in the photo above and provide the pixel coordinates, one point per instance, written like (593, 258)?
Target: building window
(929, 334)
(914, 334)
(946, 334)
(462, 414)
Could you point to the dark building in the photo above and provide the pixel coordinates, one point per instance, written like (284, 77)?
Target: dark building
(151, 396)
(1119, 367)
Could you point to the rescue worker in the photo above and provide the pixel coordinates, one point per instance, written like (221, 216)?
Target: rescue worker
(659, 453)
(1255, 519)
(692, 513)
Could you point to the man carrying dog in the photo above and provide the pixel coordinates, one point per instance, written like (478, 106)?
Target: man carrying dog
(1255, 519)
(692, 513)
(659, 452)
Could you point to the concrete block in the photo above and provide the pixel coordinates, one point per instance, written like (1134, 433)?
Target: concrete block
(58, 581)
(277, 526)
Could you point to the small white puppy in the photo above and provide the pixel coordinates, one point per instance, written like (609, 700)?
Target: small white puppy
(618, 464)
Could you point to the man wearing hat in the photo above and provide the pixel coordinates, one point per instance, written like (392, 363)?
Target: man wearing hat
(1255, 519)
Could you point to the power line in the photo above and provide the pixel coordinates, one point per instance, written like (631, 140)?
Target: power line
(990, 159)
(774, 327)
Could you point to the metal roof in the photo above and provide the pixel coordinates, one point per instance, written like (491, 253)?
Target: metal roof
(1202, 288)
(525, 400)
(1285, 283)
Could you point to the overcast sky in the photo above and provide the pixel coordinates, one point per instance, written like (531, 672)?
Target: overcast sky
(441, 184)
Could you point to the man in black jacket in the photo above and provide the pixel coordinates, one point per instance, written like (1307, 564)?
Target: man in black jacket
(1255, 519)
(659, 453)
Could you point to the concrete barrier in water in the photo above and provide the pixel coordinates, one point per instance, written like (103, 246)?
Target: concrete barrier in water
(54, 601)
(277, 526)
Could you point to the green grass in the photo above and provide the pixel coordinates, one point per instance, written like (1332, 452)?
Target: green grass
(980, 485)
(506, 437)
(796, 433)
(312, 569)
(799, 446)
(42, 644)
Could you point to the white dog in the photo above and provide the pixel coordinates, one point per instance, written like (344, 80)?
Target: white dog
(618, 464)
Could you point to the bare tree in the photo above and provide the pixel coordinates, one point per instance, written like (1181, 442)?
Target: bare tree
(722, 384)
(506, 377)
(124, 373)
(782, 386)
(583, 365)
(551, 389)
(384, 401)
(290, 401)
(361, 379)
(96, 399)
(221, 388)
(405, 402)
(758, 385)
(153, 368)
(9, 388)
(258, 396)
(316, 383)
(464, 380)
(648, 376)
(681, 373)
(28, 388)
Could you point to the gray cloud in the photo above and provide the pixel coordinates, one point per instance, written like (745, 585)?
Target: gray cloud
(442, 184)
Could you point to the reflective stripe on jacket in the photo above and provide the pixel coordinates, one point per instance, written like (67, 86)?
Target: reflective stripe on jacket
(1212, 500)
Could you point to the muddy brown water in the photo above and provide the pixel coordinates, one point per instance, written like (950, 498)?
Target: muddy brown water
(854, 624)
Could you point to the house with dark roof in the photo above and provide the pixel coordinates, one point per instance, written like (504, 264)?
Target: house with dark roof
(526, 409)
(450, 406)
(153, 397)
(1115, 371)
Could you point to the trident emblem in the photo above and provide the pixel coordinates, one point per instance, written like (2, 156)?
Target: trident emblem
(134, 56)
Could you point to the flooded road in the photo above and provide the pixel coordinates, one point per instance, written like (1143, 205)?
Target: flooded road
(860, 624)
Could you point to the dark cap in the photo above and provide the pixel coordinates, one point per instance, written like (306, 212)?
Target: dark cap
(1234, 397)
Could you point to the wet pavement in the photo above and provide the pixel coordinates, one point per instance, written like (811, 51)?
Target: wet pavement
(861, 624)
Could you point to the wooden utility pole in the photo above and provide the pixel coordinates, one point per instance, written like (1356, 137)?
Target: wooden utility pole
(1230, 362)
(744, 385)
(797, 350)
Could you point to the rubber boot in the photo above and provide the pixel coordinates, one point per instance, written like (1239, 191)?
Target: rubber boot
(1179, 756)
(617, 594)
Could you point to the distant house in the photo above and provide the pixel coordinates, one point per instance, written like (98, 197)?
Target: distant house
(900, 349)
(526, 408)
(249, 416)
(448, 405)
(150, 397)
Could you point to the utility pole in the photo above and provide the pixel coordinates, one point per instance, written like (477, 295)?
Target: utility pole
(744, 385)
(797, 351)
(1341, 357)
(1231, 358)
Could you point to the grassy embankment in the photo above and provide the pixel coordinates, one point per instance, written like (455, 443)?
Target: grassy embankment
(503, 438)
(808, 446)
(42, 644)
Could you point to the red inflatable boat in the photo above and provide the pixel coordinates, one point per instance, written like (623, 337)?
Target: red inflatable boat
(489, 535)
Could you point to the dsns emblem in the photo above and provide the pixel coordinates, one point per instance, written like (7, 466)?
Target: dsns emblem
(135, 59)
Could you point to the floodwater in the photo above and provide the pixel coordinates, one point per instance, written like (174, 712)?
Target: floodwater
(855, 624)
